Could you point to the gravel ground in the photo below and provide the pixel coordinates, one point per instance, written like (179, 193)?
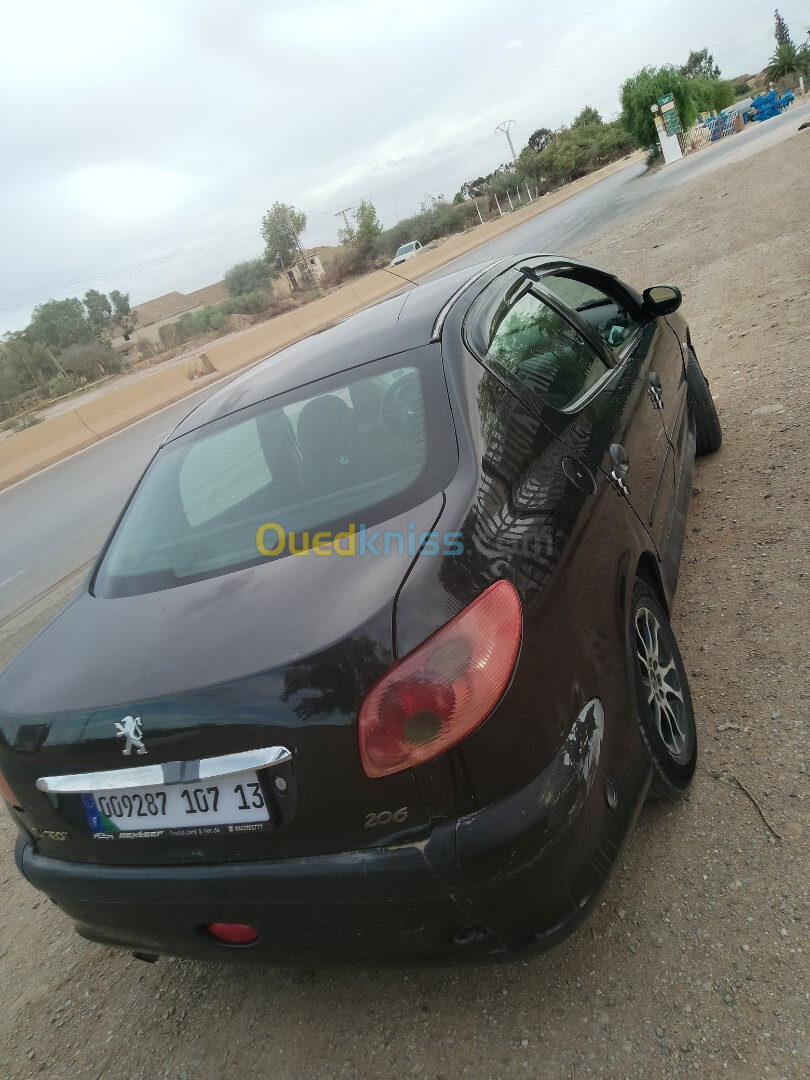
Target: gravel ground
(696, 962)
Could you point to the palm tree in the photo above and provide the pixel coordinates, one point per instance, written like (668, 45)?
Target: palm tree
(787, 61)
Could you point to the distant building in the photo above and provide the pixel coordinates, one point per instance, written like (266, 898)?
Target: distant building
(295, 277)
(153, 314)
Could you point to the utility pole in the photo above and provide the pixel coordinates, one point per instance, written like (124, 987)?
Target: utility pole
(310, 273)
(59, 367)
(504, 127)
(343, 213)
(497, 203)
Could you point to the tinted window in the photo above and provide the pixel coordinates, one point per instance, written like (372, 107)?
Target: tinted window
(359, 450)
(221, 471)
(603, 309)
(536, 346)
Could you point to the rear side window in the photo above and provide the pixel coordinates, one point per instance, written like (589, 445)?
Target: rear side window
(357, 448)
(537, 349)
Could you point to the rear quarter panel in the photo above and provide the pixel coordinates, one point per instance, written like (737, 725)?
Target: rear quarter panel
(572, 556)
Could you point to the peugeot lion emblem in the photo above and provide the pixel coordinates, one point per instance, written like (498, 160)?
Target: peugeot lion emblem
(131, 730)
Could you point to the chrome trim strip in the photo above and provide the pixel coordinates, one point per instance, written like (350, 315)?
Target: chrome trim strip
(171, 772)
(445, 311)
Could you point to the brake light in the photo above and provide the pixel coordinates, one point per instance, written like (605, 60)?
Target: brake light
(445, 688)
(7, 793)
(232, 933)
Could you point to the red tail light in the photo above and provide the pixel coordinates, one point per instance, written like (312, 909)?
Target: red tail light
(443, 690)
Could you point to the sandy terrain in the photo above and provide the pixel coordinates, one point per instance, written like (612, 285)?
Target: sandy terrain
(696, 963)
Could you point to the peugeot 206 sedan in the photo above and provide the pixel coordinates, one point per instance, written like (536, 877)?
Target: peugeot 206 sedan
(376, 665)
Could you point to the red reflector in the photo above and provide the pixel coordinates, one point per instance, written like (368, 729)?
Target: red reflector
(232, 933)
(443, 690)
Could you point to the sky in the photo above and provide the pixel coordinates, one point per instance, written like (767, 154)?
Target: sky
(142, 141)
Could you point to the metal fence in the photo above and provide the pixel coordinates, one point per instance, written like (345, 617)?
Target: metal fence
(710, 130)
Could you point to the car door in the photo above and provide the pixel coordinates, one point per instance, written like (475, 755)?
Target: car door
(614, 320)
(593, 400)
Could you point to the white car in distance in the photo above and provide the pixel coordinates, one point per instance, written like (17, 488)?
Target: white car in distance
(407, 251)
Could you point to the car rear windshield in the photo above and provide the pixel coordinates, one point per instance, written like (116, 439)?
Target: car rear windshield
(358, 448)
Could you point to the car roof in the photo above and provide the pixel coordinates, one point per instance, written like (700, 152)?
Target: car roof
(394, 325)
(399, 323)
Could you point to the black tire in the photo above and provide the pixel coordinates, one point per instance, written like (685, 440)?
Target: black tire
(707, 422)
(664, 705)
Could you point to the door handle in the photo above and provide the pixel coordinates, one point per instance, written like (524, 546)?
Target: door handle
(621, 467)
(655, 390)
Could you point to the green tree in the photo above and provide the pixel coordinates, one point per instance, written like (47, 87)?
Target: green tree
(788, 61)
(539, 140)
(645, 88)
(99, 309)
(362, 236)
(120, 303)
(24, 365)
(700, 65)
(588, 116)
(780, 30)
(247, 277)
(90, 360)
(59, 323)
(282, 227)
(711, 95)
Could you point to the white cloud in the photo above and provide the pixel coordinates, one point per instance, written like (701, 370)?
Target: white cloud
(132, 131)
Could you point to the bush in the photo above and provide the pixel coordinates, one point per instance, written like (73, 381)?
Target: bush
(441, 220)
(346, 265)
(91, 360)
(63, 384)
(28, 421)
(193, 323)
(251, 303)
(247, 277)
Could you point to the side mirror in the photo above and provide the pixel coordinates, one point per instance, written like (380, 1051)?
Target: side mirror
(662, 299)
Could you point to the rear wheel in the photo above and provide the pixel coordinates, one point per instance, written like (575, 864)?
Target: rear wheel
(665, 715)
(707, 422)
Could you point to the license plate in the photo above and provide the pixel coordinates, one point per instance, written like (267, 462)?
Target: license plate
(229, 804)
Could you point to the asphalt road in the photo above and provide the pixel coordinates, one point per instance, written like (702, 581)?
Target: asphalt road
(54, 523)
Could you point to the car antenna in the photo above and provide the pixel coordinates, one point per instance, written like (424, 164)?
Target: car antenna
(400, 276)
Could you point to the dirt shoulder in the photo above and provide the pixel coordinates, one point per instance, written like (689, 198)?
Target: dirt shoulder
(696, 962)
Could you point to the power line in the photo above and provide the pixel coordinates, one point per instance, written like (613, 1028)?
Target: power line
(214, 246)
(223, 244)
(343, 213)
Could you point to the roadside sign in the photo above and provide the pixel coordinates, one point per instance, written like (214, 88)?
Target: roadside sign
(669, 114)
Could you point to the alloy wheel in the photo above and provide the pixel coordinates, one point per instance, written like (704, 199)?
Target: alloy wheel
(661, 682)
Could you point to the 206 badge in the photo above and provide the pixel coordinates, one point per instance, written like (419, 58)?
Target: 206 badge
(131, 729)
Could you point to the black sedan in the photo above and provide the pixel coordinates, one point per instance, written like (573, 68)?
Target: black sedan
(376, 664)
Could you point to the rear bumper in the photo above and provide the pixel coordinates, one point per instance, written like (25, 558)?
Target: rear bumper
(520, 874)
